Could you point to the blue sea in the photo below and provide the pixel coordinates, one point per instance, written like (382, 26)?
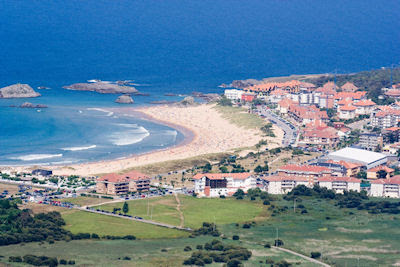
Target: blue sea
(165, 47)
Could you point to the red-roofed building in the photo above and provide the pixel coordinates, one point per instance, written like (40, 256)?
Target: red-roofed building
(222, 184)
(351, 169)
(386, 187)
(385, 117)
(364, 107)
(319, 135)
(395, 93)
(375, 173)
(283, 105)
(309, 171)
(340, 184)
(349, 87)
(120, 184)
(347, 112)
(248, 97)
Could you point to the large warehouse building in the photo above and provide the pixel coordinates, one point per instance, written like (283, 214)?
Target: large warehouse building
(367, 158)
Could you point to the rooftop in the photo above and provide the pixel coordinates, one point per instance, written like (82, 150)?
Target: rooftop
(304, 168)
(339, 179)
(359, 155)
(221, 176)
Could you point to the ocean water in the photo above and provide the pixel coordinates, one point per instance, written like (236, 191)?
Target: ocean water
(165, 46)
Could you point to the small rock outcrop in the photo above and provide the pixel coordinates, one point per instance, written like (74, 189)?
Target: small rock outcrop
(187, 101)
(103, 88)
(124, 99)
(30, 105)
(18, 91)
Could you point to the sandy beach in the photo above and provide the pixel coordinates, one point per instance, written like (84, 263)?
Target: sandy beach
(205, 130)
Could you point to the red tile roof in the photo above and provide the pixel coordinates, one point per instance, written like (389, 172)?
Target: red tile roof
(350, 95)
(135, 175)
(113, 178)
(279, 178)
(304, 168)
(339, 179)
(392, 180)
(393, 92)
(220, 176)
(346, 164)
(348, 108)
(382, 167)
(349, 87)
(366, 102)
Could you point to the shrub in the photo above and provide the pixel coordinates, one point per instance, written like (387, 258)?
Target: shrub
(269, 261)
(315, 255)
(266, 202)
(71, 262)
(129, 237)
(15, 259)
(126, 258)
(200, 247)
(187, 248)
(268, 245)
(278, 242)
(246, 225)
(234, 263)
(235, 237)
(304, 211)
(95, 236)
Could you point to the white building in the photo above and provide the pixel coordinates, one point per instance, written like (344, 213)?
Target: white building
(340, 184)
(222, 184)
(367, 158)
(386, 187)
(283, 184)
(233, 94)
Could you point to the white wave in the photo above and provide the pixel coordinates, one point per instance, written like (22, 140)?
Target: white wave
(78, 148)
(172, 133)
(31, 157)
(129, 137)
(109, 113)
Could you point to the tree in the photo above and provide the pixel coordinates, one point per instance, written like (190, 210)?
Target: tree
(125, 208)
(224, 101)
(239, 194)
(258, 169)
(362, 175)
(223, 169)
(381, 174)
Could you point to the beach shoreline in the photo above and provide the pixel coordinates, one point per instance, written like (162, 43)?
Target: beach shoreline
(204, 129)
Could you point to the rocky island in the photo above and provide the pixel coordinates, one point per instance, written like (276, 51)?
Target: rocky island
(103, 88)
(18, 91)
(30, 105)
(124, 99)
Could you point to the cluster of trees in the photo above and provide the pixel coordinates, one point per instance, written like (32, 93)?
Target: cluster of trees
(40, 260)
(267, 130)
(349, 199)
(260, 168)
(223, 101)
(218, 252)
(207, 229)
(253, 194)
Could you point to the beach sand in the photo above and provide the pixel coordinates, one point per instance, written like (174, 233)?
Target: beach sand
(205, 131)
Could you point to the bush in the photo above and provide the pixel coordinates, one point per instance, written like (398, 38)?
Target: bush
(15, 259)
(269, 261)
(278, 243)
(129, 237)
(71, 262)
(304, 211)
(95, 236)
(234, 263)
(40, 260)
(266, 202)
(126, 258)
(63, 262)
(246, 225)
(268, 245)
(235, 237)
(187, 248)
(200, 247)
(315, 255)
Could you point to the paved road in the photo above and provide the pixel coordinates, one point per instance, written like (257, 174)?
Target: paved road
(134, 219)
(302, 256)
(358, 124)
(290, 135)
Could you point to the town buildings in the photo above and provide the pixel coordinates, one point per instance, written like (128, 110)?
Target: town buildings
(340, 184)
(386, 187)
(222, 184)
(120, 184)
(233, 94)
(282, 184)
(367, 158)
(370, 141)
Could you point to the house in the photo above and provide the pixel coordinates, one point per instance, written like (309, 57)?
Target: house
(233, 94)
(394, 93)
(284, 104)
(350, 169)
(307, 171)
(340, 184)
(377, 172)
(321, 135)
(248, 97)
(364, 107)
(120, 184)
(370, 141)
(222, 184)
(349, 87)
(282, 184)
(347, 112)
(386, 187)
(42, 172)
(391, 135)
(277, 95)
(385, 117)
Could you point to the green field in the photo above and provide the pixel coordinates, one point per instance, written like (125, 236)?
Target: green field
(142, 252)
(195, 210)
(85, 222)
(240, 117)
(84, 201)
(343, 236)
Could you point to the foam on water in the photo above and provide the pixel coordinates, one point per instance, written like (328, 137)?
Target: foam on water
(78, 148)
(32, 157)
(134, 135)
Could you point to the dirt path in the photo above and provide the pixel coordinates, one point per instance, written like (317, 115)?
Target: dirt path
(302, 256)
(178, 208)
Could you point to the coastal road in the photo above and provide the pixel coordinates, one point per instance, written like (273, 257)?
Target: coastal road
(290, 131)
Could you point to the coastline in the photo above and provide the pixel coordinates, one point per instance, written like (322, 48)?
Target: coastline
(203, 127)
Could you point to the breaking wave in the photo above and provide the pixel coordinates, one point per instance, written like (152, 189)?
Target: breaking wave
(135, 134)
(78, 148)
(31, 157)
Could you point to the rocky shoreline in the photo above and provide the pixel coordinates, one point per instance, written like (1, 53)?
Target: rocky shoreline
(102, 88)
(18, 91)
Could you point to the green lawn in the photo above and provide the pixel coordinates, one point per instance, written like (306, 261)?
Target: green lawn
(84, 201)
(85, 222)
(195, 210)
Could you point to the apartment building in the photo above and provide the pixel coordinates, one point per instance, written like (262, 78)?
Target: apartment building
(386, 187)
(340, 184)
(120, 184)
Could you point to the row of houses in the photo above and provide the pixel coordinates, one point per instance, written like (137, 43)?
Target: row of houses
(226, 184)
